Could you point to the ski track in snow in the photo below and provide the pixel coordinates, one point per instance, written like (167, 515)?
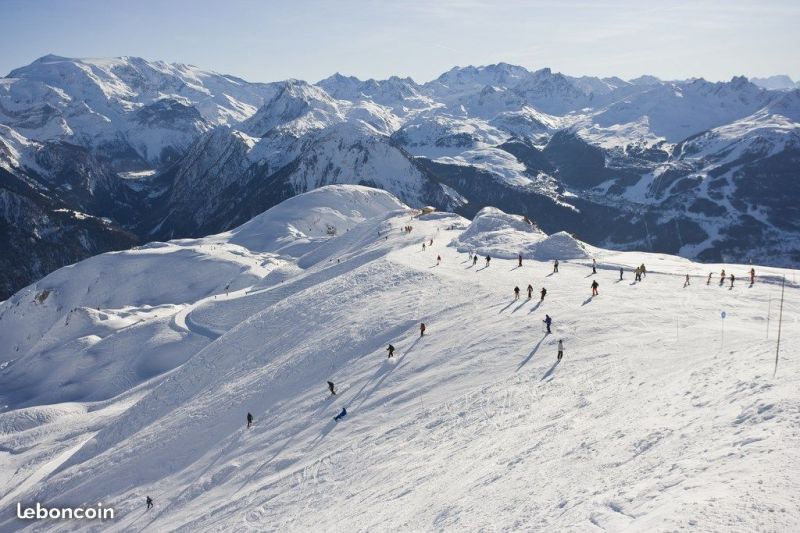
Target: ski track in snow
(652, 421)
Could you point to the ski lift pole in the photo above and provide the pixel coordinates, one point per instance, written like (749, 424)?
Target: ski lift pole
(780, 322)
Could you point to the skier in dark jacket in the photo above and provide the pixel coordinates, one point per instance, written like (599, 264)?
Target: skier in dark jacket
(555, 266)
(543, 293)
(149, 502)
(732, 278)
(422, 329)
(475, 260)
(752, 276)
(708, 281)
(249, 420)
(547, 321)
(560, 349)
(487, 260)
(594, 288)
(530, 292)
(620, 273)
(438, 259)
(332, 388)
(519, 258)
(722, 278)
(340, 415)
(390, 349)
(516, 293)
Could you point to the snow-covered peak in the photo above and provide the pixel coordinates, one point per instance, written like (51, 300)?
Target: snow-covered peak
(781, 82)
(296, 225)
(297, 107)
(497, 234)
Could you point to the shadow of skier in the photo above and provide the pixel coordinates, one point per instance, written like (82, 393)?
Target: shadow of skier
(530, 355)
(550, 372)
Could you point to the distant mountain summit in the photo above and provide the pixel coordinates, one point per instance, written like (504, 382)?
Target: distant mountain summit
(141, 150)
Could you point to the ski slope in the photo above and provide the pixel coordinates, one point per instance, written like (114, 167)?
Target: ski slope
(657, 418)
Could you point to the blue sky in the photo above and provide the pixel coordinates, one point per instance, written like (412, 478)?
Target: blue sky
(266, 40)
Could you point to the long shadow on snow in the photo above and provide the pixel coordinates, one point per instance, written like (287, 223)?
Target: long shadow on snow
(549, 372)
(535, 307)
(530, 355)
(587, 300)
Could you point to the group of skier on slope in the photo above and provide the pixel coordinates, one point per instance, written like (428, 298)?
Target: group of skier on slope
(639, 273)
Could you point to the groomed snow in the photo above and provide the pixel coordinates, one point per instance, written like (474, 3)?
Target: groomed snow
(657, 419)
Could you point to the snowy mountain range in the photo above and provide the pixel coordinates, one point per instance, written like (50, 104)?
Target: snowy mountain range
(98, 154)
(130, 375)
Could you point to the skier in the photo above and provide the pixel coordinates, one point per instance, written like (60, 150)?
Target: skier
(637, 274)
(560, 349)
(594, 266)
(431, 244)
(544, 293)
(547, 321)
(685, 283)
(340, 415)
(149, 502)
(332, 388)
(422, 329)
(555, 266)
(438, 259)
(594, 287)
(643, 271)
(752, 276)
(423, 246)
(519, 258)
(487, 260)
(722, 277)
(516, 293)
(732, 278)
(530, 292)
(390, 349)
(708, 281)
(249, 420)
(475, 260)
(620, 273)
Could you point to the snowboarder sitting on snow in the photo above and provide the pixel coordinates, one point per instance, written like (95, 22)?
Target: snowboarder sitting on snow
(560, 349)
(422, 329)
(594, 287)
(530, 292)
(249, 420)
(516, 293)
(555, 266)
(332, 388)
(390, 349)
(340, 415)
(547, 321)
(149, 502)
(544, 293)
